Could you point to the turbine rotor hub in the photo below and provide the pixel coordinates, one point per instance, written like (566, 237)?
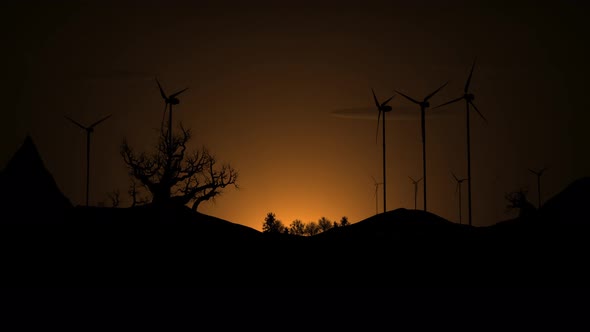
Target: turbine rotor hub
(469, 96)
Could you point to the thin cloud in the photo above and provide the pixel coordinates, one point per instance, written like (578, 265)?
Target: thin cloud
(398, 113)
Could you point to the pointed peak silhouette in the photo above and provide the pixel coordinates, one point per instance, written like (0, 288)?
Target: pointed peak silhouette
(27, 185)
(27, 156)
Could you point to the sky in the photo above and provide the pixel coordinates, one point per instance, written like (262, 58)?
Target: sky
(269, 82)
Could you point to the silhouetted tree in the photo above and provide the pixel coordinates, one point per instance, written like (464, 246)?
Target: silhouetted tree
(115, 198)
(344, 221)
(272, 224)
(311, 228)
(174, 176)
(518, 200)
(134, 193)
(297, 227)
(324, 224)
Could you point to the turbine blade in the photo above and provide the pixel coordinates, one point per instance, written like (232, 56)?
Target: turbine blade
(533, 172)
(376, 101)
(420, 179)
(413, 181)
(454, 176)
(161, 90)
(76, 123)
(177, 93)
(408, 97)
(435, 91)
(469, 78)
(449, 102)
(99, 121)
(478, 112)
(387, 101)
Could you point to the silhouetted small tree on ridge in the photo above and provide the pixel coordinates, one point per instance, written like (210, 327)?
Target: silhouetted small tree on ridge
(297, 227)
(518, 200)
(173, 176)
(324, 224)
(344, 221)
(312, 228)
(272, 224)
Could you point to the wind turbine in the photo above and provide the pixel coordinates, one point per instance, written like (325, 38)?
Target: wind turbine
(89, 131)
(168, 102)
(459, 182)
(415, 183)
(468, 97)
(376, 184)
(382, 108)
(424, 104)
(538, 173)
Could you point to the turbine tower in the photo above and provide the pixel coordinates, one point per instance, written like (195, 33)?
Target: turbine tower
(376, 184)
(89, 131)
(168, 102)
(468, 97)
(382, 108)
(415, 183)
(538, 173)
(424, 104)
(458, 189)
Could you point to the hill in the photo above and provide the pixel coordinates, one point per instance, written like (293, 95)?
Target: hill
(27, 188)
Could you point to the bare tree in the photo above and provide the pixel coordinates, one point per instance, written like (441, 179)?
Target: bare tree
(115, 198)
(173, 176)
(134, 193)
(518, 200)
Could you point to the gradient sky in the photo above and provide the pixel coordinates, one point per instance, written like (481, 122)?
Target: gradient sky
(265, 79)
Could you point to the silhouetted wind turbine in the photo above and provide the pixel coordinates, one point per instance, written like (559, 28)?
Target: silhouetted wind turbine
(376, 184)
(538, 173)
(168, 102)
(424, 104)
(382, 108)
(89, 131)
(468, 97)
(458, 189)
(415, 183)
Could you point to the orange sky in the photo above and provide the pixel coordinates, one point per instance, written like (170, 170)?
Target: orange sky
(263, 83)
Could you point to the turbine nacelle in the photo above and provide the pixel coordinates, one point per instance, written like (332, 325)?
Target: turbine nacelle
(173, 101)
(385, 108)
(469, 97)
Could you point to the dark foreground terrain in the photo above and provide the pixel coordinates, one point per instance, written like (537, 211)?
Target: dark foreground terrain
(156, 247)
